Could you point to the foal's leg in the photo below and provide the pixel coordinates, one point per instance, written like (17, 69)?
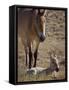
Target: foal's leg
(30, 57)
(35, 57)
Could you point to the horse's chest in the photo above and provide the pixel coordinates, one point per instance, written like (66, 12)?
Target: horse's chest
(34, 45)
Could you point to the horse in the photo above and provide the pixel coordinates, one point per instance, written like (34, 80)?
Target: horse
(31, 28)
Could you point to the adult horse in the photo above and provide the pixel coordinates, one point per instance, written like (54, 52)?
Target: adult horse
(31, 28)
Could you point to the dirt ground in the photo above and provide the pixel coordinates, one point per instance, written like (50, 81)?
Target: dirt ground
(55, 41)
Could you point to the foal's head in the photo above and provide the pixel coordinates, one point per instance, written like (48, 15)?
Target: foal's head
(54, 62)
(40, 20)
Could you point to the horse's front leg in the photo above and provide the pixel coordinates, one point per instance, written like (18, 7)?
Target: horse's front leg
(30, 57)
(35, 58)
(26, 58)
(26, 53)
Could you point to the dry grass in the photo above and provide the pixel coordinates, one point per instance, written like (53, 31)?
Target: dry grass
(55, 41)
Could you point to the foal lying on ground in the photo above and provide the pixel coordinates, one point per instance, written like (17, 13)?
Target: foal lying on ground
(52, 69)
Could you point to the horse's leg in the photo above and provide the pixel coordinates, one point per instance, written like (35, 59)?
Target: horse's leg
(26, 54)
(26, 57)
(30, 57)
(35, 57)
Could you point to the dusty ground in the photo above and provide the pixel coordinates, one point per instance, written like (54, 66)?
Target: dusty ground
(55, 40)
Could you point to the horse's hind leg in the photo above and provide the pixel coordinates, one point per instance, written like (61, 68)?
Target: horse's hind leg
(35, 57)
(30, 57)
